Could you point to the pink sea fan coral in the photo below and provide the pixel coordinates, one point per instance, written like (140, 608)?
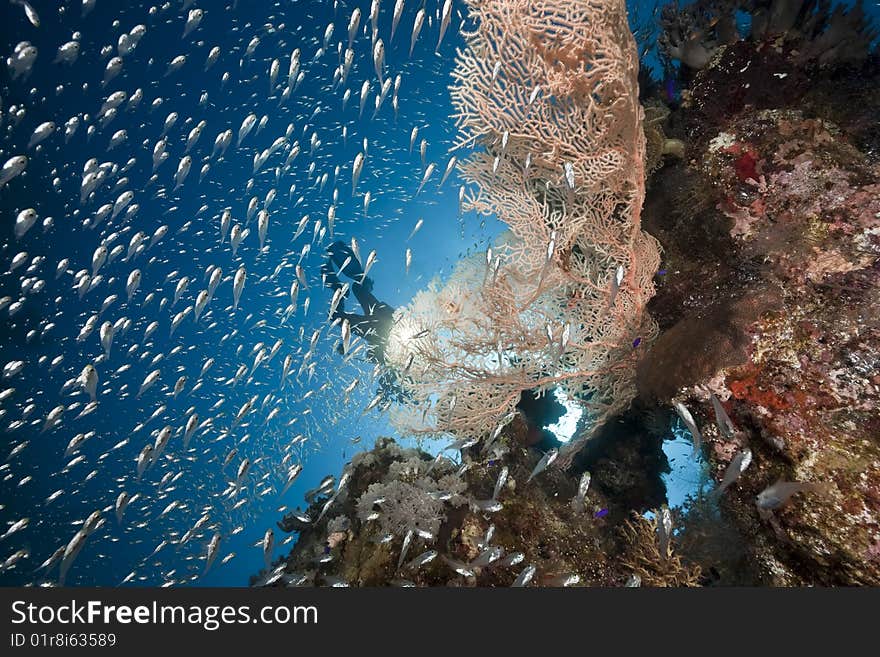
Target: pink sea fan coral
(546, 95)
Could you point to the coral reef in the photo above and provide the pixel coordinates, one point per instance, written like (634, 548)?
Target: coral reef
(770, 295)
(394, 492)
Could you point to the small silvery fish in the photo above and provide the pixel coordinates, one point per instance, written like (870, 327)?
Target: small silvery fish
(486, 557)
(725, 426)
(735, 468)
(423, 534)
(16, 526)
(563, 580)
(777, 495)
(487, 539)
(664, 531)
(422, 559)
(544, 463)
(487, 506)
(690, 423)
(462, 444)
(499, 484)
(616, 281)
(577, 503)
(121, 503)
(459, 567)
(15, 558)
(406, 541)
(268, 543)
(512, 559)
(524, 577)
(54, 558)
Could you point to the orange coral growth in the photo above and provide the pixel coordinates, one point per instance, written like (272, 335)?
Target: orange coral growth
(748, 387)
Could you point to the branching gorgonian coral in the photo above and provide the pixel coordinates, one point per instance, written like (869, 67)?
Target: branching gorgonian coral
(546, 95)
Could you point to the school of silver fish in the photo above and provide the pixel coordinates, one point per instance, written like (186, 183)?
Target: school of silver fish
(212, 444)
